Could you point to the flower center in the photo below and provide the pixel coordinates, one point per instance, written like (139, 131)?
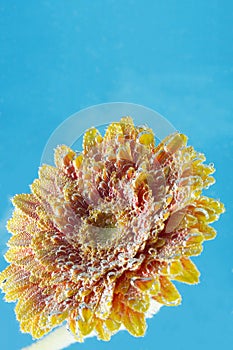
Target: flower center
(102, 219)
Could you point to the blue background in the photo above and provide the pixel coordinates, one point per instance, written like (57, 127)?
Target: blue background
(57, 57)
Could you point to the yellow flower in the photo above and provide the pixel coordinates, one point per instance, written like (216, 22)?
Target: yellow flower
(104, 232)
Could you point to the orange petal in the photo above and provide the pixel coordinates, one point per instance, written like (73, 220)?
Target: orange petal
(144, 284)
(60, 153)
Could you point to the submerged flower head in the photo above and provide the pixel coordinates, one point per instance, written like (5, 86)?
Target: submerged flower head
(103, 234)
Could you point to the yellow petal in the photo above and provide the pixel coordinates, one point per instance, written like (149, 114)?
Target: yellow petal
(175, 268)
(15, 284)
(78, 161)
(22, 239)
(85, 328)
(27, 203)
(147, 139)
(8, 272)
(117, 309)
(168, 294)
(174, 142)
(193, 244)
(189, 273)
(207, 231)
(30, 303)
(137, 301)
(36, 331)
(90, 139)
(155, 288)
(19, 222)
(102, 331)
(44, 325)
(26, 325)
(113, 130)
(57, 319)
(112, 324)
(134, 322)
(15, 293)
(15, 254)
(72, 321)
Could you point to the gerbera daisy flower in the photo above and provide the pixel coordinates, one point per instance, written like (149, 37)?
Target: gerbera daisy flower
(104, 232)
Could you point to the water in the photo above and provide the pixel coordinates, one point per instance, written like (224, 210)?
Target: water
(174, 57)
